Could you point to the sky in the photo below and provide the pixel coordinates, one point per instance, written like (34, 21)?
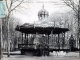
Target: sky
(29, 12)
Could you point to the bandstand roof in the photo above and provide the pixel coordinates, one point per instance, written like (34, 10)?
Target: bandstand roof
(32, 29)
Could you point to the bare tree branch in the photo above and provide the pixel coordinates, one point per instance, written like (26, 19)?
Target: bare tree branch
(15, 1)
(71, 4)
(7, 5)
(11, 4)
(17, 5)
(23, 7)
(21, 11)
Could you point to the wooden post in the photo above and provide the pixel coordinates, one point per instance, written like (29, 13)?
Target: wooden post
(64, 40)
(25, 35)
(48, 39)
(27, 38)
(22, 37)
(58, 42)
(48, 44)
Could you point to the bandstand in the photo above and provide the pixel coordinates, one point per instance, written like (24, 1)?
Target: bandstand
(31, 29)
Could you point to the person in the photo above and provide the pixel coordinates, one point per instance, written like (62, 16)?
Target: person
(71, 43)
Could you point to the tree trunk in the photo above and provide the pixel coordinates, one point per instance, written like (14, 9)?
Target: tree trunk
(8, 38)
(79, 26)
(1, 55)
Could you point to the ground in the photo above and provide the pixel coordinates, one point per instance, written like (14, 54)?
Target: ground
(59, 56)
(23, 57)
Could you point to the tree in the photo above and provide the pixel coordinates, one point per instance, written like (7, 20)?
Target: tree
(11, 6)
(72, 4)
(75, 6)
(13, 34)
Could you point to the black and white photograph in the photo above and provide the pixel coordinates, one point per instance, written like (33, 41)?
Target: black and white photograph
(39, 29)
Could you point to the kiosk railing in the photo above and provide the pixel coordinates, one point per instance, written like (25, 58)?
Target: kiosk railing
(25, 46)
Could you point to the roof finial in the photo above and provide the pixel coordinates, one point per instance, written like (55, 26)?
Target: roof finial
(43, 6)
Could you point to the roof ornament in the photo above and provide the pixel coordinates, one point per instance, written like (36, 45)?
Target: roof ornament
(43, 6)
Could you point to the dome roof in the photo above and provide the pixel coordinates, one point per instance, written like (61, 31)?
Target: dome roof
(43, 11)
